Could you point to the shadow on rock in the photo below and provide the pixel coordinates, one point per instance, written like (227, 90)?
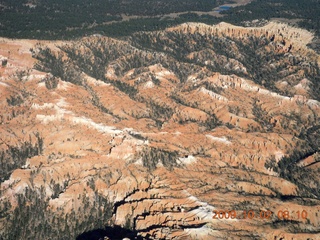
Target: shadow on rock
(112, 233)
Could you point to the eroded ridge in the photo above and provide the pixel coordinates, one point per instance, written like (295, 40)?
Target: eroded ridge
(157, 131)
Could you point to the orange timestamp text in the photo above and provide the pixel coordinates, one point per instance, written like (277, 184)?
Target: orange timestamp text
(262, 214)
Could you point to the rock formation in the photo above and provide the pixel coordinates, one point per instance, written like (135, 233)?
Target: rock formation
(158, 132)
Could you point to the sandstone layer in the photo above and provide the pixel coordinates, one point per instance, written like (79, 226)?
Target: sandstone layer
(157, 132)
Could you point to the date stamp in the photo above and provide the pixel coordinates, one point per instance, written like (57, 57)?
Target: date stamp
(262, 214)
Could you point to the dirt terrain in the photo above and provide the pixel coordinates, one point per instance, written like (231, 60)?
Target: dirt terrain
(158, 132)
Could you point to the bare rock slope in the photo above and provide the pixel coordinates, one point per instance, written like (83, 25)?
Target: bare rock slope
(157, 132)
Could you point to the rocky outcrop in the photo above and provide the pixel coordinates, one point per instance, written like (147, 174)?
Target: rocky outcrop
(159, 132)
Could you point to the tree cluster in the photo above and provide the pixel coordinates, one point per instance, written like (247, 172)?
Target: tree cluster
(152, 156)
(15, 156)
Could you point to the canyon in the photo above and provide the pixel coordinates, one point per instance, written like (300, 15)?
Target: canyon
(157, 132)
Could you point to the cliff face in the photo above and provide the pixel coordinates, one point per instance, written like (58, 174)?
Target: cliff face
(156, 132)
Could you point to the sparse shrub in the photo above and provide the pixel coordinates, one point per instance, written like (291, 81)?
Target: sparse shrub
(51, 82)
(211, 122)
(160, 113)
(152, 156)
(126, 88)
(155, 80)
(15, 100)
(304, 178)
(15, 156)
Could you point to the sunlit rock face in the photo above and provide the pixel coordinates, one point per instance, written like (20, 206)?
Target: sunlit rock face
(155, 133)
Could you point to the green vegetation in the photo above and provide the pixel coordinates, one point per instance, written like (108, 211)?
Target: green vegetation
(304, 178)
(15, 156)
(261, 116)
(43, 223)
(49, 62)
(51, 81)
(15, 100)
(306, 11)
(59, 19)
(152, 156)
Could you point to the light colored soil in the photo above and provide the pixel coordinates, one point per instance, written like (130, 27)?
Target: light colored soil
(91, 145)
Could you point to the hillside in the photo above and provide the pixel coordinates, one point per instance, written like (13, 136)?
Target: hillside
(150, 136)
(69, 19)
(72, 19)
